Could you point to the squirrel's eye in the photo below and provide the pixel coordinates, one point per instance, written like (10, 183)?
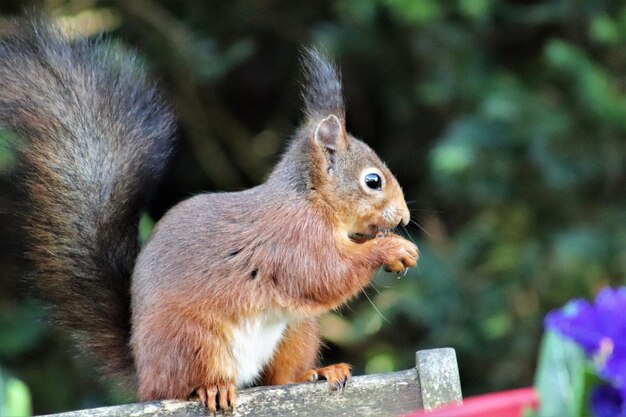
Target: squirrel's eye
(373, 181)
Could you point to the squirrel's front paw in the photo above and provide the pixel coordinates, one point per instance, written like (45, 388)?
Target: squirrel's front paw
(399, 254)
(337, 375)
(222, 394)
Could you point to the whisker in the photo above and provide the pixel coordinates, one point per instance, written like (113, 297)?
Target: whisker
(372, 283)
(402, 231)
(347, 307)
(408, 235)
(417, 267)
(375, 308)
(420, 227)
(419, 210)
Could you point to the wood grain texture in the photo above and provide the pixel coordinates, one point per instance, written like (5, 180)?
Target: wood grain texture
(438, 374)
(388, 394)
(433, 382)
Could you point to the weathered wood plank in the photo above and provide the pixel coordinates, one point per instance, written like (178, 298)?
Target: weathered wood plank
(438, 374)
(390, 394)
(433, 382)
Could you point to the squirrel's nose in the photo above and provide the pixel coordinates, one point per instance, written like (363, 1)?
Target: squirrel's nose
(404, 220)
(406, 214)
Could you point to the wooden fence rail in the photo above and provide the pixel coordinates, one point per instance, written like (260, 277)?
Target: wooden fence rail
(433, 382)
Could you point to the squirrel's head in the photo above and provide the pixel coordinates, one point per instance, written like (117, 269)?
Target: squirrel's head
(364, 196)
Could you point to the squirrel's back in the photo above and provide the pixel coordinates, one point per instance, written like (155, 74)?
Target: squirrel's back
(95, 136)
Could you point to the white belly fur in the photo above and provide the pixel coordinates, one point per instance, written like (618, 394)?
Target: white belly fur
(254, 342)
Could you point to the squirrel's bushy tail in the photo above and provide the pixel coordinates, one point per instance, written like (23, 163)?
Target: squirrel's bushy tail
(95, 137)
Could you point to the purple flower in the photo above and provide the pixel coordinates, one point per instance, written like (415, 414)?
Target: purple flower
(606, 401)
(600, 329)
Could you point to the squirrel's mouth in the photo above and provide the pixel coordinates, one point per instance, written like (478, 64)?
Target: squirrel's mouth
(361, 237)
(374, 233)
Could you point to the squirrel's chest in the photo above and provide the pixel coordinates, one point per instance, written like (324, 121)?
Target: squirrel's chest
(254, 343)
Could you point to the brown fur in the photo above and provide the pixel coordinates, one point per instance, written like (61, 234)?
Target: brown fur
(216, 265)
(296, 354)
(236, 255)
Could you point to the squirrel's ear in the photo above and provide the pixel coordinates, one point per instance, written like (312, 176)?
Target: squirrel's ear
(331, 134)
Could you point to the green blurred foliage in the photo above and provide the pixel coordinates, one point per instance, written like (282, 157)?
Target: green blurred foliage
(14, 397)
(505, 121)
(564, 378)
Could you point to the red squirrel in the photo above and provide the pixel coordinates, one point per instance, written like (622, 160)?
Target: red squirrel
(227, 289)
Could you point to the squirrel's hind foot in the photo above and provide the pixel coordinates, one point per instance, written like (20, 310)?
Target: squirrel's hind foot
(337, 375)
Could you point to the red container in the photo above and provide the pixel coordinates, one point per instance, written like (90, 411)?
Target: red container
(500, 404)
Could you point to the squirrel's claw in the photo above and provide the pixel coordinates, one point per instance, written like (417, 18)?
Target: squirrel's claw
(336, 375)
(202, 396)
(310, 376)
(222, 394)
(211, 403)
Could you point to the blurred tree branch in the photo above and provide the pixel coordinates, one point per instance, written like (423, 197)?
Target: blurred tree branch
(211, 127)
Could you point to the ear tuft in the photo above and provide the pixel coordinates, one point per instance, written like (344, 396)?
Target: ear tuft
(330, 134)
(322, 86)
